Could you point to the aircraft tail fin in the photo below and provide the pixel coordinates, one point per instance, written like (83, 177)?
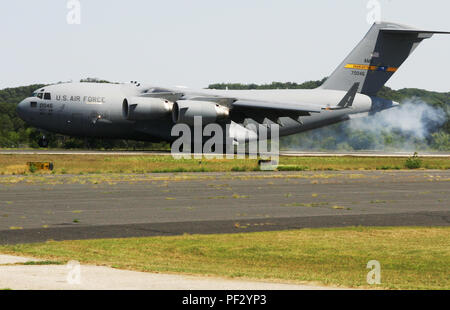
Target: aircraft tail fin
(377, 57)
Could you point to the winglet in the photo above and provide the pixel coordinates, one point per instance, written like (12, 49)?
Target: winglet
(348, 99)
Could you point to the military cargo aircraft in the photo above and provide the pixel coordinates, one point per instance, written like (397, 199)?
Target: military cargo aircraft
(148, 113)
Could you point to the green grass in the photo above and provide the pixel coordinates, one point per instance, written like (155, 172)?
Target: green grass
(292, 168)
(91, 164)
(413, 162)
(410, 257)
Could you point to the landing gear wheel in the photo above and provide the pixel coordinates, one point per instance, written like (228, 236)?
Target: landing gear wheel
(43, 142)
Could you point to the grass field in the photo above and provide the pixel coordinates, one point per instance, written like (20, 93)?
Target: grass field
(410, 257)
(80, 164)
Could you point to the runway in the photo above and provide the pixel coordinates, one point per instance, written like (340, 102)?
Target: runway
(282, 153)
(37, 209)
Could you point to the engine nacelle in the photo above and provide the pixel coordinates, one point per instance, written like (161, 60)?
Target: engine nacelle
(184, 112)
(142, 108)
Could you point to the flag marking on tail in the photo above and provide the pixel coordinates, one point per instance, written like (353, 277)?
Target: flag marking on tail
(371, 68)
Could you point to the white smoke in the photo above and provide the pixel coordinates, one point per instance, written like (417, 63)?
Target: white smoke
(407, 127)
(414, 118)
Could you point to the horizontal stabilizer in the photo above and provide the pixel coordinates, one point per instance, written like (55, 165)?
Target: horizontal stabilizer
(414, 31)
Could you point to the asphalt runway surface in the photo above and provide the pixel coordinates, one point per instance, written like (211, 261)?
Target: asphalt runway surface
(282, 153)
(41, 208)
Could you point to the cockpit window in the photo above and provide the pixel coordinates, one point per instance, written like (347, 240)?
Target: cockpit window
(47, 96)
(40, 95)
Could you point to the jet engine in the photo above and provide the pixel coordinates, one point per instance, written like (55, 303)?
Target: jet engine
(184, 112)
(142, 108)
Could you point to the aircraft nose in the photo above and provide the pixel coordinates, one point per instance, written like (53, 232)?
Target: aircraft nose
(21, 107)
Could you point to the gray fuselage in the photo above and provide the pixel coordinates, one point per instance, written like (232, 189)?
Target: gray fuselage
(96, 110)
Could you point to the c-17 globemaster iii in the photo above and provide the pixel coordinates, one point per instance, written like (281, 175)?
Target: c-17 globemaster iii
(148, 113)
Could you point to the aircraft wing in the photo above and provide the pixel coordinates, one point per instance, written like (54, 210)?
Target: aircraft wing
(261, 111)
(241, 108)
(166, 94)
(277, 106)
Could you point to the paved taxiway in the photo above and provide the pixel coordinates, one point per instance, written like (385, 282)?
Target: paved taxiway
(79, 207)
(282, 153)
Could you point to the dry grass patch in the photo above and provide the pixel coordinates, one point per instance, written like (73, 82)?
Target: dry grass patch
(110, 164)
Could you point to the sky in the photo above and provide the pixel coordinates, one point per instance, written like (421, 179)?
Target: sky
(195, 43)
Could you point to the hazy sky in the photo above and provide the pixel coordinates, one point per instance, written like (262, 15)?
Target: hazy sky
(198, 42)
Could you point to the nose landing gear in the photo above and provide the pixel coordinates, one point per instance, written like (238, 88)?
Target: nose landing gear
(43, 142)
